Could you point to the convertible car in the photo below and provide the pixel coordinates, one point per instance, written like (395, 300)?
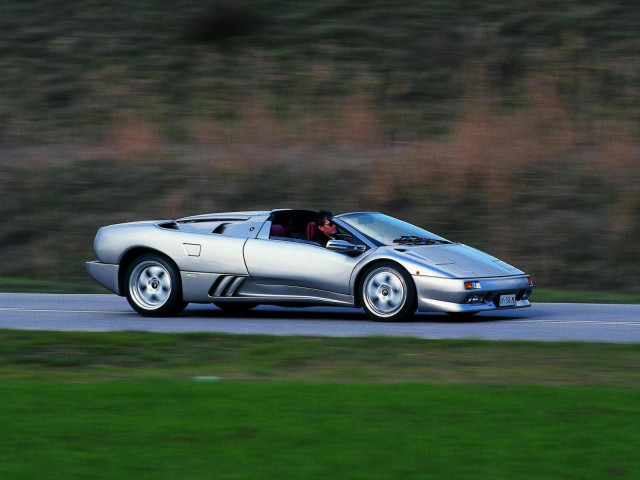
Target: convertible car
(239, 260)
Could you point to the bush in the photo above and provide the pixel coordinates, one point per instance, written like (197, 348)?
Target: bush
(220, 21)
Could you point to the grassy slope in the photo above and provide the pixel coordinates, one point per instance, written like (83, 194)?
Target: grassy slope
(76, 68)
(507, 126)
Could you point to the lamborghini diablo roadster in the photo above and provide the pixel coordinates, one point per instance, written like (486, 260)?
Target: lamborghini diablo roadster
(239, 260)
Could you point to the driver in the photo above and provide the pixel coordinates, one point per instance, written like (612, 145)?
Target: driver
(326, 228)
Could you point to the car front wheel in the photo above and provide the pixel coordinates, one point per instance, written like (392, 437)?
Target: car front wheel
(153, 286)
(387, 292)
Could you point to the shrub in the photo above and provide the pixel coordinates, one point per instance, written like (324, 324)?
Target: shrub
(221, 20)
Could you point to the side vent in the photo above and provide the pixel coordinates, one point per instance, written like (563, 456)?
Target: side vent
(226, 286)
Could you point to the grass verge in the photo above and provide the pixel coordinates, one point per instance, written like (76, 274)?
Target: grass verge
(133, 356)
(17, 285)
(190, 406)
(559, 296)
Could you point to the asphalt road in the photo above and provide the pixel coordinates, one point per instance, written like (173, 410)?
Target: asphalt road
(543, 321)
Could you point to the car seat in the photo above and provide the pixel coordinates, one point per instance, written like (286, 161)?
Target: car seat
(277, 230)
(311, 231)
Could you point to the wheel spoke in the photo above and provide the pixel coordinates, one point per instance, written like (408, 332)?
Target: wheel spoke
(396, 284)
(155, 271)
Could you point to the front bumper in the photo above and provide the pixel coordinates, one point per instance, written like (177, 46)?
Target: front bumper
(437, 294)
(106, 274)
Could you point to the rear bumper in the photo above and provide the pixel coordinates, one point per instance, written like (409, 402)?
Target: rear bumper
(449, 295)
(106, 274)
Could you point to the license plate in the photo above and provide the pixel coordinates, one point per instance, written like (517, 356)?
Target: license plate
(507, 300)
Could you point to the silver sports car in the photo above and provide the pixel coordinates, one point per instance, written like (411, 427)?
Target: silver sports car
(240, 260)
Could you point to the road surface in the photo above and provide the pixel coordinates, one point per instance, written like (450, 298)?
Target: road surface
(543, 321)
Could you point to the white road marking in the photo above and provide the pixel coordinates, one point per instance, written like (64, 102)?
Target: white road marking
(29, 310)
(589, 322)
(498, 319)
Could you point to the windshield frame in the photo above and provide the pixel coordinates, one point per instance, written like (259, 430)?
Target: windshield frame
(389, 228)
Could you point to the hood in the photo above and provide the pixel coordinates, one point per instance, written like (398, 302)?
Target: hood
(459, 260)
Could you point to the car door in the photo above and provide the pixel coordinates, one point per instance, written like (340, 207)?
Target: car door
(290, 263)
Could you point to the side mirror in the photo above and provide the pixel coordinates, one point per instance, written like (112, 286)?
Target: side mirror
(345, 247)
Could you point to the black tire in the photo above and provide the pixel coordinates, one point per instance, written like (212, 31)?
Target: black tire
(153, 287)
(387, 292)
(235, 307)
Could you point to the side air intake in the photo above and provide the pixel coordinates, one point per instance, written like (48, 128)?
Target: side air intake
(226, 286)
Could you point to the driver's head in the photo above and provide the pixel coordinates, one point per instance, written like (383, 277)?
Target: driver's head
(325, 223)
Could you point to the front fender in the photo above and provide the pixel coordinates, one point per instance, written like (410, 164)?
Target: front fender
(386, 254)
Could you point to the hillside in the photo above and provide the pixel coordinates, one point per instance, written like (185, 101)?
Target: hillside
(508, 126)
(81, 67)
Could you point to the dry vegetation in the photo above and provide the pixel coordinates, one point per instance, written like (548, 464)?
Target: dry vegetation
(512, 129)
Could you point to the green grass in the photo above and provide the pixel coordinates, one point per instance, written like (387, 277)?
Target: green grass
(133, 356)
(201, 406)
(190, 430)
(560, 296)
(25, 285)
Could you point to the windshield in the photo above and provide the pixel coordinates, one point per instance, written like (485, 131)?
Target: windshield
(390, 231)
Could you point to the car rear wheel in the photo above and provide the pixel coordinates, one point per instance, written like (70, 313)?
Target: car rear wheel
(153, 286)
(387, 292)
